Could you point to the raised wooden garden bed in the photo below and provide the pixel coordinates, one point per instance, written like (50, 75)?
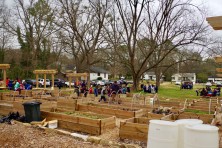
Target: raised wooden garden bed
(119, 111)
(206, 118)
(7, 106)
(9, 95)
(67, 104)
(81, 122)
(134, 129)
(27, 93)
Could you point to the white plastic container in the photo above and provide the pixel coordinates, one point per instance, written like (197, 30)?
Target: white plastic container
(151, 102)
(182, 123)
(201, 136)
(53, 124)
(162, 134)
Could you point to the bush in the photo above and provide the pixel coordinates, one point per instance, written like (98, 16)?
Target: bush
(99, 78)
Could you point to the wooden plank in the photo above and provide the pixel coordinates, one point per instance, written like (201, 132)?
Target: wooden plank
(43, 71)
(215, 22)
(78, 127)
(26, 93)
(219, 75)
(5, 109)
(111, 121)
(219, 69)
(67, 104)
(134, 127)
(74, 119)
(155, 116)
(218, 59)
(133, 136)
(140, 113)
(108, 111)
(18, 107)
(142, 120)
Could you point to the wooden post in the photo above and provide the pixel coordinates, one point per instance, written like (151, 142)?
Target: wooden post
(37, 80)
(77, 81)
(53, 83)
(45, 81)
(69, 82)
(4, 77)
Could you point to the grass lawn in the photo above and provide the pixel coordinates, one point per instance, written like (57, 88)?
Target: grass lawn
(168, 90)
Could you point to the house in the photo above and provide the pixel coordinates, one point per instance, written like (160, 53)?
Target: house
(214, 79)
(96, 72)
(179, 77)
(150, 76)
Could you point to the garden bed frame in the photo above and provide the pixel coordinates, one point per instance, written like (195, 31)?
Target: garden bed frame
(134, 129)
(81, 124)
(110, 111)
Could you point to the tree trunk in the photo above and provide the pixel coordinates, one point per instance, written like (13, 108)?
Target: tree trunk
(158, 77)
(136, 81)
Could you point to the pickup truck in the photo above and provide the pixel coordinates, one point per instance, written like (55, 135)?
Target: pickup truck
(67, 83)
(41, 82)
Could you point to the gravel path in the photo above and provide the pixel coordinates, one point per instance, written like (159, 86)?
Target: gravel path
(21, 136)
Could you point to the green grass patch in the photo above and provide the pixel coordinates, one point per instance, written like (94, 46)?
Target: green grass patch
(5, 90)
(197, 111)
(86, 115)
(173, 91)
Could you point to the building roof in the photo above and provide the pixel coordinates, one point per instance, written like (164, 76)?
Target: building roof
(150, 73)
(184, 74)
(98, 70)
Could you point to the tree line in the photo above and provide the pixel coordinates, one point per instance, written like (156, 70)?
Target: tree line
(129, 37)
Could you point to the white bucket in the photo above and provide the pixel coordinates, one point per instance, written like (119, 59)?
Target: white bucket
(151, 102)
(201, 136)
(162, 134)
(182, 123)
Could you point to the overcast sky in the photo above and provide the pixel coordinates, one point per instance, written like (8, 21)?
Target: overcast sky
(214, 7)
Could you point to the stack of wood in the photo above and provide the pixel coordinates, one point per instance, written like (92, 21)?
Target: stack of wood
(44, 123)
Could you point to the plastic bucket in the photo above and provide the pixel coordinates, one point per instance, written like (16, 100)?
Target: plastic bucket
(182, 123)
(162, 134)
(201, 136)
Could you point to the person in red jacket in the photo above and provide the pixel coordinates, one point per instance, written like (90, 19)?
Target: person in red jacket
(7, 81)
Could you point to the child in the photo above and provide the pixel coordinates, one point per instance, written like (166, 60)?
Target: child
(96, 91)
(103, 93)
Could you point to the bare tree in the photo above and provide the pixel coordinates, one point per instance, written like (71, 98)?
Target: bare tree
(82, 23)
(5, 36)
(164, 25)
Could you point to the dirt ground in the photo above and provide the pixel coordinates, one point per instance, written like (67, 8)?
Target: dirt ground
(20, 136)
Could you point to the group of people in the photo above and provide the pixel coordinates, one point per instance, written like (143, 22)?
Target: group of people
(17, 85)
(208, 91)
(111, 90)
(108, 90)
(149, 88)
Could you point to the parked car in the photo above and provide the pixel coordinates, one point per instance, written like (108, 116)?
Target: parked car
(59, 82)
(31, 82)
(41, 82)
(67, 83)
(177, 83)
(218, 84)
(208, 84)
(100, 82)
